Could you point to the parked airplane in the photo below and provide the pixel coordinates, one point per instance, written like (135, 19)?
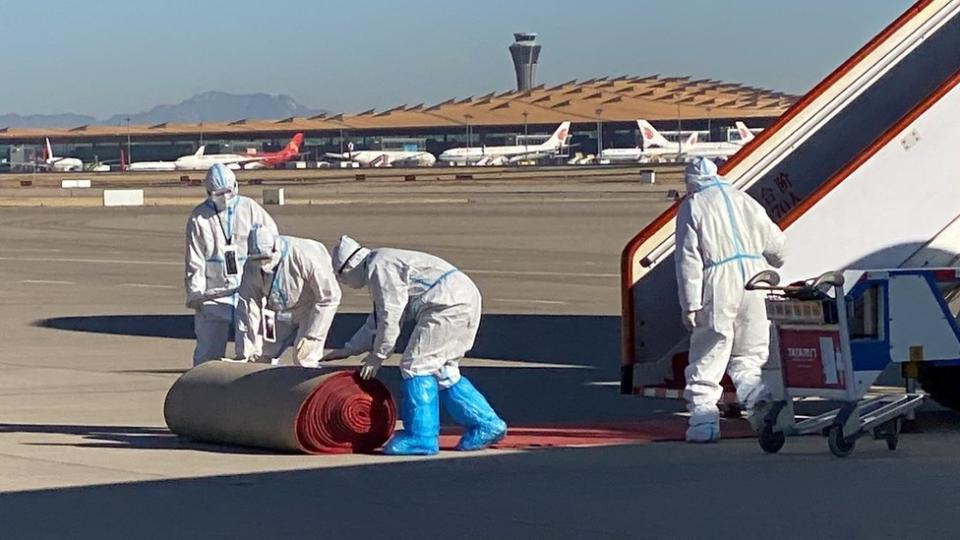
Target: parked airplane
(717, 150)
(387, 158)
(202, 161)
(58, 164)
(145, 166)
(498, 155)
(656, 147)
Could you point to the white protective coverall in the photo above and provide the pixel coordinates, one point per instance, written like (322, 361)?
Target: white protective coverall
(299, 286)
(409, 285)
(224, 219)
(724, 237)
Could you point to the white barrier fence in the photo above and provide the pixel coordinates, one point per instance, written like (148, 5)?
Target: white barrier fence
(74, 184)
(274, 196)
(123, 197)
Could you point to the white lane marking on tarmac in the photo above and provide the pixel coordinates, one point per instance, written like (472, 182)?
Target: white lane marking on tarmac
(90, 261)
(540, 273)
(146, 286)
(46, 282)
(521, 301)
(172, 263)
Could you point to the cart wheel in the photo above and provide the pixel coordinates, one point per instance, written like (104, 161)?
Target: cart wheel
(731, 411)
(892, 442)
(840, 446)
(893, 435)
(771, 441)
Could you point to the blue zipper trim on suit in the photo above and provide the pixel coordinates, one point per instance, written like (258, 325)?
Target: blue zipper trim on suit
(276, 275)
(739, 255)
(436, 282)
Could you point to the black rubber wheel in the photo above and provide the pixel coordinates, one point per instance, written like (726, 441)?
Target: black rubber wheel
(840, 446)
(942, 383)
(892, 442)
(892, 435)
(771, 441)
(731, 411)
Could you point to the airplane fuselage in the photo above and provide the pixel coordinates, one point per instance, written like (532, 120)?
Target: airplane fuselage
(391, 158)
(64, 164)
(152, 166)
(204, 162)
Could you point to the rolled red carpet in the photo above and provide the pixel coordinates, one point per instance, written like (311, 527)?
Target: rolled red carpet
(280, 408)
(346, 414)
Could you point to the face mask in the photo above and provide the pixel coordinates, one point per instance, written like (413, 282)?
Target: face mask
(221, 200)
(266, 265)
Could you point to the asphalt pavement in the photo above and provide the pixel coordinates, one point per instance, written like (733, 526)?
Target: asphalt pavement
(95, 332)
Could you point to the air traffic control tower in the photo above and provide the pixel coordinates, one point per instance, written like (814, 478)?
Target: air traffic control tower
(525, 52)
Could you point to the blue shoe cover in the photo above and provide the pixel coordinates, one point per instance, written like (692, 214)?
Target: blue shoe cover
(706, 432)
(420, 414)
(468, 408)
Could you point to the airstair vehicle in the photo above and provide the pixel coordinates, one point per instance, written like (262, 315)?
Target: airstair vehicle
(854, 173)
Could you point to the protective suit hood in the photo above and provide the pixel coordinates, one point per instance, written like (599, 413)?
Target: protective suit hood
(221, 185)
(700, 174)
(262, 247)
(348, 262)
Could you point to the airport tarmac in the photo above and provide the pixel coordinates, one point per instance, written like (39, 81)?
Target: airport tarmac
(95, 332)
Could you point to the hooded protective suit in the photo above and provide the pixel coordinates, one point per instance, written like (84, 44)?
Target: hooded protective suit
(723, 238)
(292, 277)
(218, 225)
(445, 306)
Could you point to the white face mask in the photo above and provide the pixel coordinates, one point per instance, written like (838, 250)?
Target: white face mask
(266, 265)
(221, 200)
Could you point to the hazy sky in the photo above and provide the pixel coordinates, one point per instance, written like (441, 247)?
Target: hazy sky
(114, 56)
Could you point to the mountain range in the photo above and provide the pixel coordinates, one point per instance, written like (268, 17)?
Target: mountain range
(210, 106)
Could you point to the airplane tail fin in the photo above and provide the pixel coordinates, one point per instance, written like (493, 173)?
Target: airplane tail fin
(48, 150)
(650, 136)
(200, 151)
(745, 134)
(559, 137)
(295, 143)
(692, 139)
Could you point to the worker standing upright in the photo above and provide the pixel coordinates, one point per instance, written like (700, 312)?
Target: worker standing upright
(723, 238)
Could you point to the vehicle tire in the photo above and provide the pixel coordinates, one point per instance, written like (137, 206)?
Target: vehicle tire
(771, 441)
(942, 383)
(840, 446)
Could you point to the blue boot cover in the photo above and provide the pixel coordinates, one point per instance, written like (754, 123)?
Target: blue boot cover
(420, 414)
(468, 408)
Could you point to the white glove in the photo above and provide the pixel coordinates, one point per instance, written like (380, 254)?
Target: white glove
(690, 320)
(370, 366)
(335, 354)
(306, 351)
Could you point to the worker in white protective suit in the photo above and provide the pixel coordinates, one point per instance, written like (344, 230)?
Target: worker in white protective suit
(216, 249)
(445, 307)
(724, 237)
(288, 297)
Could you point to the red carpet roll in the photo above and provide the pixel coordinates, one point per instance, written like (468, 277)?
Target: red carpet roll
(280, 408)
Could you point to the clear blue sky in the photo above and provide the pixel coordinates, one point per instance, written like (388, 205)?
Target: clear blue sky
(115, 56)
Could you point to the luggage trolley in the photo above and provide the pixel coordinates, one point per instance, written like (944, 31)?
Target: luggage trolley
(833, 341)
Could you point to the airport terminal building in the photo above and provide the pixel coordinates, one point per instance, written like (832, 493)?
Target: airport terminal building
(608, 107)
